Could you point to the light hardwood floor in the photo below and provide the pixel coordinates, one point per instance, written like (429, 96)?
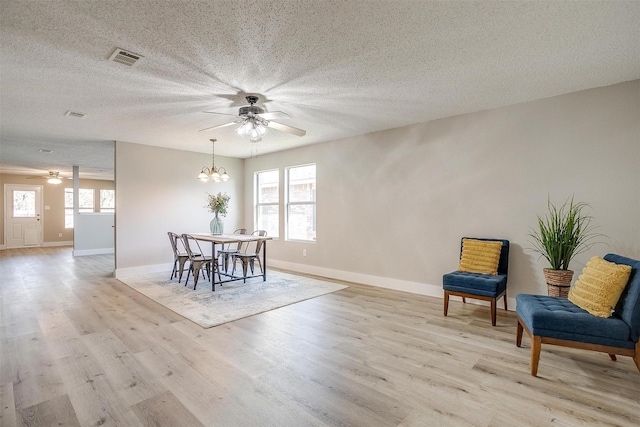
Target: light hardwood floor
(80, 348)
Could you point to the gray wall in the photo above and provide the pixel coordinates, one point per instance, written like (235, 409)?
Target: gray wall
(393, 205)
(156, 192)
(94, 234)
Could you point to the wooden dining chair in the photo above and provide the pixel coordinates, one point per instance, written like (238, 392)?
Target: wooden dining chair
(250, 254)
(198, 260)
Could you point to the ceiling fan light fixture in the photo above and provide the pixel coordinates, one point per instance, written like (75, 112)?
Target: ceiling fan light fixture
(254, 121)
(246, 128)
(54, 178)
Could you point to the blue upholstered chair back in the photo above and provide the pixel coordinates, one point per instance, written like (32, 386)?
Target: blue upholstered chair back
(628, 308)
(503, 265)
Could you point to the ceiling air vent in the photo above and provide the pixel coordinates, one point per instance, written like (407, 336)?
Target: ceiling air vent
(74, 114)
(122, 56)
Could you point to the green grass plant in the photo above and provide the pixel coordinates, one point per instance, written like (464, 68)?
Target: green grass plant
(563, 233)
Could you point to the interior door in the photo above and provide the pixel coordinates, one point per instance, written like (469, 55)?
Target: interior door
(23, 215)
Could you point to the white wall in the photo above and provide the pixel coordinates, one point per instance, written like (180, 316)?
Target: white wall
(94, 234)
(393, 205)
(156, 192)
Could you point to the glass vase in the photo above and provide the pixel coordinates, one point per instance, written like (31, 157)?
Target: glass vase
(216, 225)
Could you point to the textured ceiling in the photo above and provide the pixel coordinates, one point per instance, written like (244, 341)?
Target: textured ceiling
(338, 68)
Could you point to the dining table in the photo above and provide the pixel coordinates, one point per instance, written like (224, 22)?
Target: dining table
(226, 239)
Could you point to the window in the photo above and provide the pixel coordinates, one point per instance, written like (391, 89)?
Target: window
(301, 203)
(107, 201)
(24, 204)
(268, 202)
(86, 204)
(68, 208)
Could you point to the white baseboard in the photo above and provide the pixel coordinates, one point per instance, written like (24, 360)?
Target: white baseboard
(45, 244)
(381, 282)
(48, 244)
(145, 269)
(365, 279)
(85, 252)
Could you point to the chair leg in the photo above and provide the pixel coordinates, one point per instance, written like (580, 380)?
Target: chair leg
(182, 262)
(519, 330)
(196, 274)
(613, 357)
(188, 273)
(536, 343)
(493, 312)
(464, 300)
(245, 265)
(174, 271)
(446, 303)
(505, 301)
(636, 357)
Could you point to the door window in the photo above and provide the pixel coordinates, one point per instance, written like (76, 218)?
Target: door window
(24, 204)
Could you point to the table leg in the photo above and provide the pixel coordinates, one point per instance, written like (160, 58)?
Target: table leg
(213, 270)
(264, 260)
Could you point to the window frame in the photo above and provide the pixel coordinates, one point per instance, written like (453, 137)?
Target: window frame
(258, 205)
(104, 209)
(82, 210)
(289, 204)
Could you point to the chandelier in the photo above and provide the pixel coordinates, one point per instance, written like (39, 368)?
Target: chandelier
(54, 178)
(213, 174)
(255, 127)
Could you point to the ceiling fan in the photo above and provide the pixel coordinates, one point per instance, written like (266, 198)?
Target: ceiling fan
(254, 121)
(52, 178)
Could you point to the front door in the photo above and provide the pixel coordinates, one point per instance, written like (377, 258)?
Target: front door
(23, 215)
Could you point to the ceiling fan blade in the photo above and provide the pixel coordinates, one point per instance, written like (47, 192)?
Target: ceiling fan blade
(222, 114)
(273, 115)
(220, 126)
(287, 128)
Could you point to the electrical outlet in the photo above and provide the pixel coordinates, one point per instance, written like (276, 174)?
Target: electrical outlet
(59, 234)
(304, 252)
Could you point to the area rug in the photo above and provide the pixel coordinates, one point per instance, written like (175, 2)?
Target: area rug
(231, 301)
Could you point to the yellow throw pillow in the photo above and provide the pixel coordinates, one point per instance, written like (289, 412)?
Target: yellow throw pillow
(480, 256)
(599, 287)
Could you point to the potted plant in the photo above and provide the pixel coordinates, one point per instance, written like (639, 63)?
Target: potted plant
(562, 233)
(218, 204)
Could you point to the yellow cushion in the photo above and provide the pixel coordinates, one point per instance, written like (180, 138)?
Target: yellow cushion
(599, 287)
(480, 256)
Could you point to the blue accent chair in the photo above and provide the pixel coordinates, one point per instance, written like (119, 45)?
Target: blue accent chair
(557, 321)
(479, 286)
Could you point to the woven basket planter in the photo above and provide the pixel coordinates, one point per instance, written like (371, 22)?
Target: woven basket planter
(558, 282)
